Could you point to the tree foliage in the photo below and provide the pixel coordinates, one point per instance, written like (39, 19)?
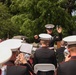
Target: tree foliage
(4, 21)
(30, 16)
(68, 5)
(7, 28)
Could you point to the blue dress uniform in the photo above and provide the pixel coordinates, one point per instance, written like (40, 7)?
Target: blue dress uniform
(17, 70)
(45, 55)
(60, 54)
(22, 69)
(69, 67)
(54, 37)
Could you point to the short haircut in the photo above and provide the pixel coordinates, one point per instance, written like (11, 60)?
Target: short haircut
(46, 42)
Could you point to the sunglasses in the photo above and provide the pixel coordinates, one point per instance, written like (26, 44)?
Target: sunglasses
(49, 28)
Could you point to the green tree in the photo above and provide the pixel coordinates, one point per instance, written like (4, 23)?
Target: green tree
(30, 16)
(7, 29)
(68, 5)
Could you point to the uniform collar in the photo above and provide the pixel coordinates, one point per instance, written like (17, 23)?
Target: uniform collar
(73, 57)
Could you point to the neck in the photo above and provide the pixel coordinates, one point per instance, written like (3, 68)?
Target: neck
(73, 54)
(44, 45)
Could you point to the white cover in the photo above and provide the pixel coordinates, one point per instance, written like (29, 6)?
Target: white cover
(5, 54)
(43, 67)
(49, 26)
(26, 48)
(45, 36)
(70, 39)
(11, 43)
(6, 47)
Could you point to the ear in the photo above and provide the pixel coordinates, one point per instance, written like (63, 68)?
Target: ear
(68, 49)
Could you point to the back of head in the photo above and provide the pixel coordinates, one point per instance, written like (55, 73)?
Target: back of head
(62, 43)
(45, 39)
(71, 42)
(45, 42)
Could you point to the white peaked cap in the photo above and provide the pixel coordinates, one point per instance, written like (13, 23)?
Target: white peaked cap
(12, 44)
(45, 36)
(5, 54)
(70, 39)
(26, 48)
(49, 26)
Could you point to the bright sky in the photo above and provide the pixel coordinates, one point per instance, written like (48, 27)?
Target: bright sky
(74, 13)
